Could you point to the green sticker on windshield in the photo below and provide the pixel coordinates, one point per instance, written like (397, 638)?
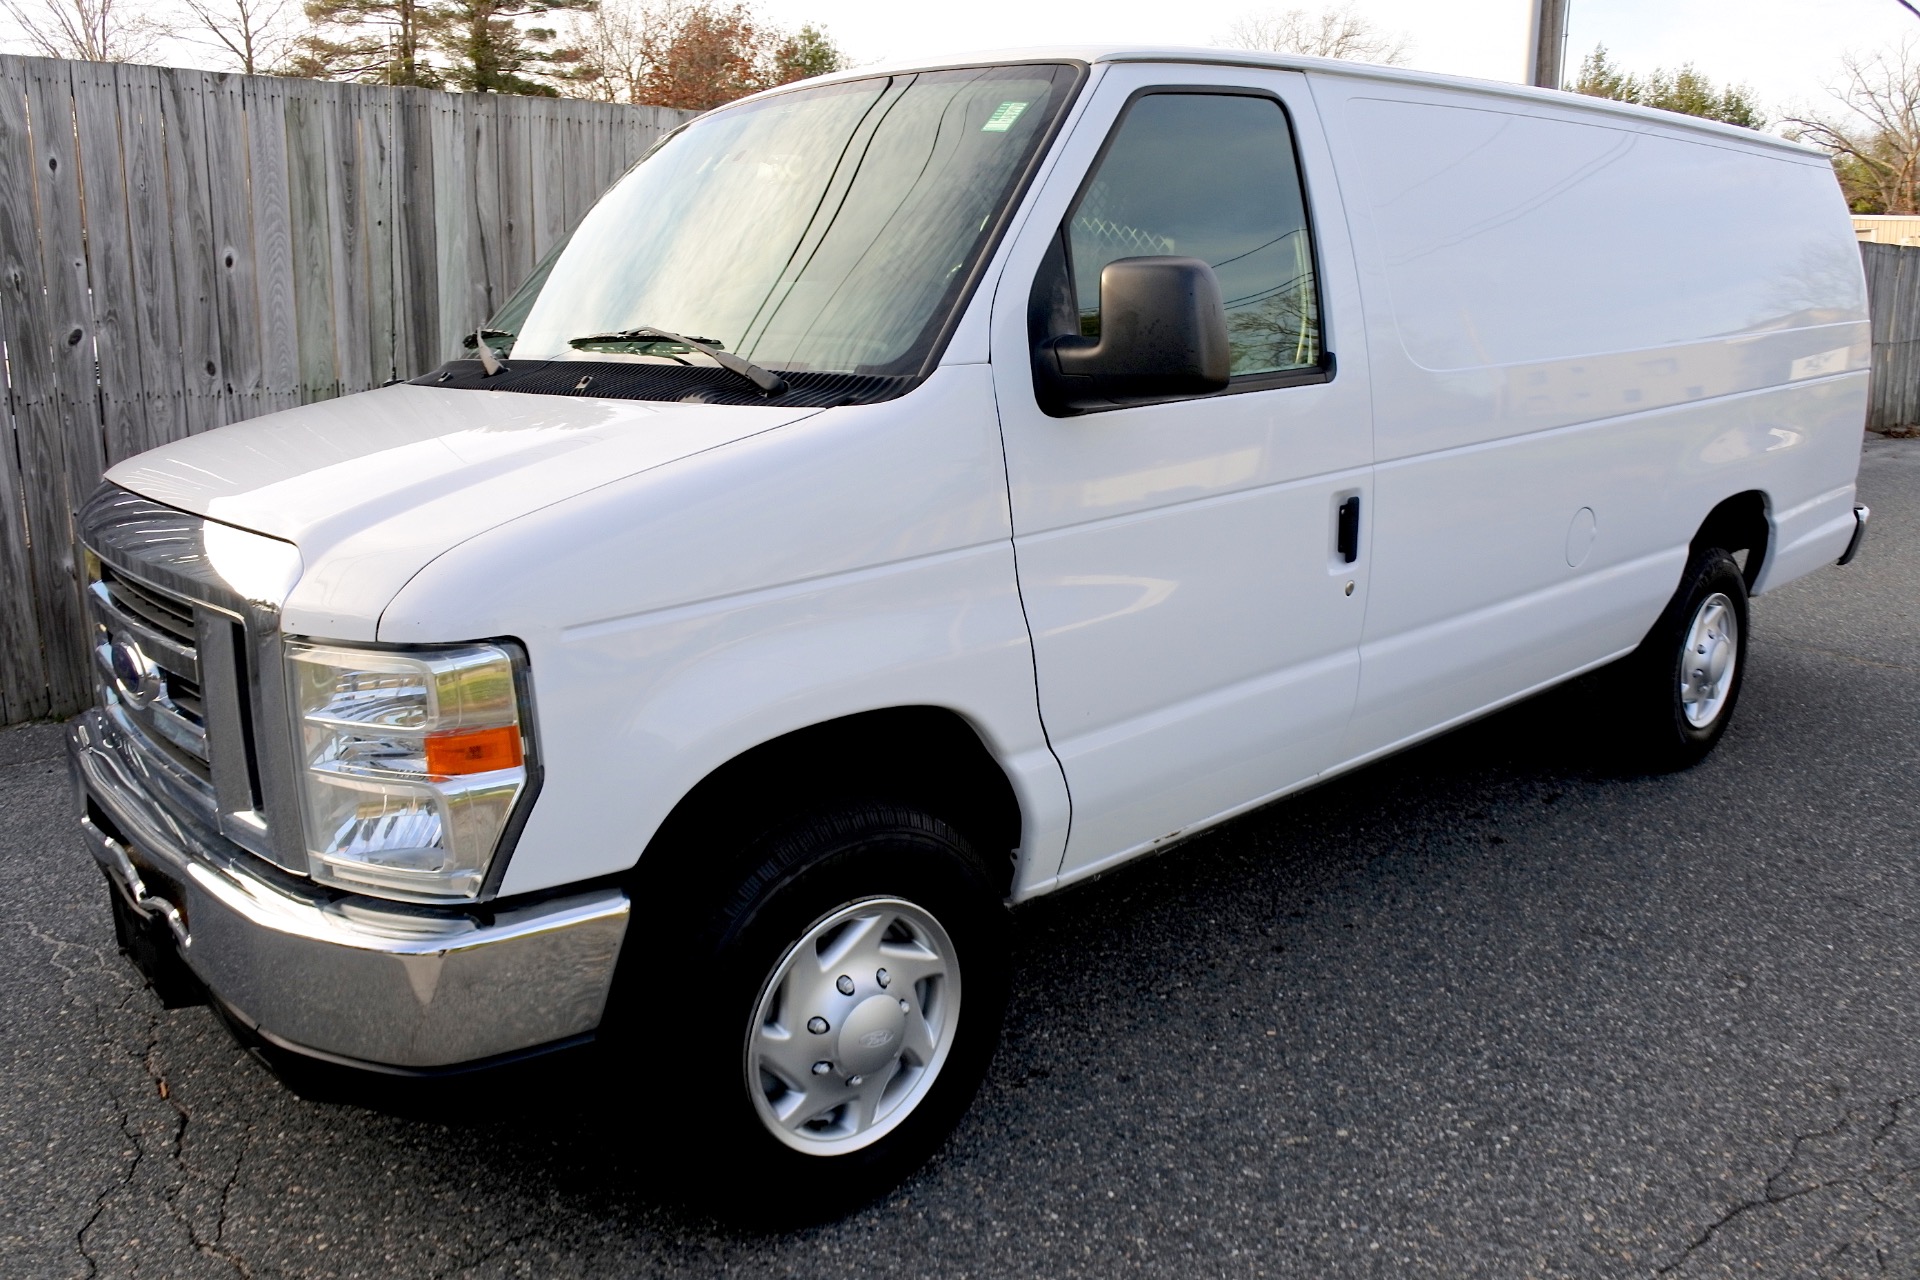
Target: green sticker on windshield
(1003, 117)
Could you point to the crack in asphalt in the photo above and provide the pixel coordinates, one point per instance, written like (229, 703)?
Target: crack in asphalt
(218, 1246)
(1770, 1198)
(176, 1155)
(123, 1118)
(108, 1019)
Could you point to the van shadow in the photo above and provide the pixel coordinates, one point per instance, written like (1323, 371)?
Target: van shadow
(562, 1148)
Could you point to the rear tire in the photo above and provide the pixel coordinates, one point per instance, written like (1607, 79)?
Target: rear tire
(1677, 691)
(854, 977)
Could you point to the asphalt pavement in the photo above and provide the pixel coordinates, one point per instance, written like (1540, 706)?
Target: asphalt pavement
(1486, 1009)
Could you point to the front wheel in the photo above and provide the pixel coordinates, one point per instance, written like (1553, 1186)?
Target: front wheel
(861, 971)
(853, 1026)
(1679, 688)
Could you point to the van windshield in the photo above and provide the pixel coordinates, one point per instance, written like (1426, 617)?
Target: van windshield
(829, 229)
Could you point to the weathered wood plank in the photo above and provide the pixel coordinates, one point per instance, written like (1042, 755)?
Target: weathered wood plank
(109, 253)
(453, 223)
(486, 256)
(373, 123)
(344, 178)
(269, 186)
(310, 230)
(592, 155)
(515, 199)
(418, 290)
(582, 181)
(64, 452)
(548, 142)
(156, 307)
(237, 284)
(199, 264)
(25, 612)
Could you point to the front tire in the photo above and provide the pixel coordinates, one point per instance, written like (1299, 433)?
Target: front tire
(859, 979)
(1678, 690)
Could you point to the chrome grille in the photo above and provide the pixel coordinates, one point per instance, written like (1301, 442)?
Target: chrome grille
(186, 698)
(189, 667)
(162, 629)
(167, 614)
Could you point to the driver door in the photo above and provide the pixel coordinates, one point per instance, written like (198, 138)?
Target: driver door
(1195, 609)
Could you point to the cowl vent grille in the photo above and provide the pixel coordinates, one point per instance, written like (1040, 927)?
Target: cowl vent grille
(621, 380)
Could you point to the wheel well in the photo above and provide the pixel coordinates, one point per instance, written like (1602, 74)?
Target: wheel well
(929, 757)
(1738, 524)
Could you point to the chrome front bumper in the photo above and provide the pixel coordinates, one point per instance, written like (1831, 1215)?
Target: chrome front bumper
(337, 975)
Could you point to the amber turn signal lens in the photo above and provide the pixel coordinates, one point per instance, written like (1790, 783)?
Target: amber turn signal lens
(474, 751)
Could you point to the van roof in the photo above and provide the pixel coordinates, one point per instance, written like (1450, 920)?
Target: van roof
(1098, 53)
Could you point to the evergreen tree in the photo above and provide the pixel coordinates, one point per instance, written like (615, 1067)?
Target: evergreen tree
(480, 46)
(1686, 91)
(371, 41)
(807, 52)
(488, 51)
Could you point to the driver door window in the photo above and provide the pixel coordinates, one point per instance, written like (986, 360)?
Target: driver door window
(1210, 176)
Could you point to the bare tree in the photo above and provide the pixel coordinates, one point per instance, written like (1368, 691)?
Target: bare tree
(1875, 138)
(619, 38)
(693, 54)
(1325, 33)
(89, 30)
(370, 41)
(258, 35)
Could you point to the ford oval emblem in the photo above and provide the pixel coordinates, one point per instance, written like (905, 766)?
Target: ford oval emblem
(134, 674)
(874, 1039)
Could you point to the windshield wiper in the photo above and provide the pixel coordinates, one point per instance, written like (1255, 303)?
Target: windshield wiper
(770, 383)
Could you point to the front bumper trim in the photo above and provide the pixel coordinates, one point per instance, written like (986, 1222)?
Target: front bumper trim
(340, 976)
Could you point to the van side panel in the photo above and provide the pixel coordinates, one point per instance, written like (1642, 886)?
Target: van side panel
(1586, 329)
(1532, 272)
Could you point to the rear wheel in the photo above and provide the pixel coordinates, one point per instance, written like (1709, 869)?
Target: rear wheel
(1679, 689)
(859, 977)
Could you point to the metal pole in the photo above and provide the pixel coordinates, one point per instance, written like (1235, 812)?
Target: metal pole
(1547, 43)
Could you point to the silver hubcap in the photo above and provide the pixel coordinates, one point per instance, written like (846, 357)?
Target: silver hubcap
(1706, 669)
(853, 1025)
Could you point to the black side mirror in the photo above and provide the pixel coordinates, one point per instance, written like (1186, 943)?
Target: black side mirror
(1163, 335)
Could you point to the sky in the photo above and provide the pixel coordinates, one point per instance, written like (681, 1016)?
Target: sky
(1787, 51)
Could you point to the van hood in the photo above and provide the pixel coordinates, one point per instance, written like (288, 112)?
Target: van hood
(372, 487)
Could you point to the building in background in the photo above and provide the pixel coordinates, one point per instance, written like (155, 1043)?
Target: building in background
(1887, 228)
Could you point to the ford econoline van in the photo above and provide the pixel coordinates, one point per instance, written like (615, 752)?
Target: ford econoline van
(913, 491)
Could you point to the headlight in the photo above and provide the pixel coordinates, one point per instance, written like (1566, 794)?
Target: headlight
(411, 764)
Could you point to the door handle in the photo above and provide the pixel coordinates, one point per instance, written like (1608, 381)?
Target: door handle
(1349, 529)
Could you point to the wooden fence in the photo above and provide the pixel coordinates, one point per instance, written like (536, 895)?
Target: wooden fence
(183, 249)
(1893, 288)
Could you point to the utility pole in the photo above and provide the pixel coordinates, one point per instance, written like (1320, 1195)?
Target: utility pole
(1547, 45)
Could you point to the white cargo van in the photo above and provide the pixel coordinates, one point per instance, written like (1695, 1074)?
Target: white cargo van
(917, 490)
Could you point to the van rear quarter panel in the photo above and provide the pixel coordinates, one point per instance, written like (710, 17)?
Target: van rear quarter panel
(856, 560)
(1575, 307)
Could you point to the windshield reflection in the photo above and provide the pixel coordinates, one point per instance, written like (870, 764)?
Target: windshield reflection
(831, 228)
